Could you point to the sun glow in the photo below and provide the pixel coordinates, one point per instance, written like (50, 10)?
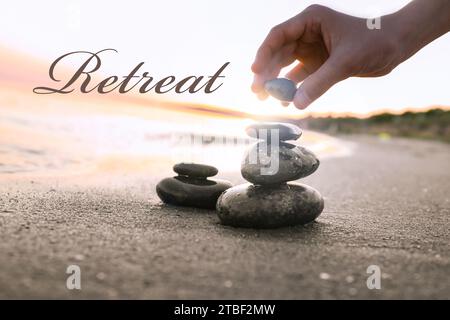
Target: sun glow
(198, 39)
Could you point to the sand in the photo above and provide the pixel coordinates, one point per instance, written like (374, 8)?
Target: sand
(387, 205)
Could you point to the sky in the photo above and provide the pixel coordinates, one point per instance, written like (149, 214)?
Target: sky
(178, 37)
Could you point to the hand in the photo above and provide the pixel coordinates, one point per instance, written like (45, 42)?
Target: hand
(329, 47)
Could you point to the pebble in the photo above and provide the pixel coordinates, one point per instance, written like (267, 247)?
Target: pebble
(79, 257)
(349, 279)
(286, 131)
(195, 170)
(100, 276)
(251, 206)
(324, 276)
(192, 192)
(294, 162)
(281, 88)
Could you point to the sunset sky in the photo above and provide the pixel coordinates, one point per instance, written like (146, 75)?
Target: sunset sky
(182, 38)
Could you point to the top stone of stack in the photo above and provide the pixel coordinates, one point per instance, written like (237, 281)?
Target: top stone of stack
(286, 131)
(195, 170)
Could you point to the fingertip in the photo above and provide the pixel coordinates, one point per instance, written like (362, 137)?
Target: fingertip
(255, 88)
(301, 99)
(262, 95)
(285, 104)
(319, 82)
(256, 67)
(299, 107)
(258, 83)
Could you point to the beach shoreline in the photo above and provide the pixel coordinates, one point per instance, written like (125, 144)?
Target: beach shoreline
(385, 205)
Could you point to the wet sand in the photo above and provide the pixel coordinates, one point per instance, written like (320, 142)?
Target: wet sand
(388, 205)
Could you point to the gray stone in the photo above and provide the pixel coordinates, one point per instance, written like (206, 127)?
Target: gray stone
(281, 88)
(192, 192)
(294, 162)
(263, 130)
(195, 170)
(251, 206)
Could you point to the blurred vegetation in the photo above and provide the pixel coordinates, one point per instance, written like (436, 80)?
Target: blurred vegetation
(431, 124)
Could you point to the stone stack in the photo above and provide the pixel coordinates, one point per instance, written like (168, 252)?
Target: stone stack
(191, 187)
(271, 200)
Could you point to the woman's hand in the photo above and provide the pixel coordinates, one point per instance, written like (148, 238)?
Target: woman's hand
(330, 46)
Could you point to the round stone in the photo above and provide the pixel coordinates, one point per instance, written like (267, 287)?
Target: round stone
(251, 206)
(192, 192)
(264, 131)
(274, 163)
(195, 170)
(281, 89)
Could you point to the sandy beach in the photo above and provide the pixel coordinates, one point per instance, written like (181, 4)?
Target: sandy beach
(77, 187)
(387, 205)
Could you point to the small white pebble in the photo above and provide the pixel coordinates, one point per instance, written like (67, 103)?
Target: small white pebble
(324, 276)
(79, 257)
(100, 276)
(228, 284)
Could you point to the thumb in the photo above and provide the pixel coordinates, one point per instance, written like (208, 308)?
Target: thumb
(315, 85)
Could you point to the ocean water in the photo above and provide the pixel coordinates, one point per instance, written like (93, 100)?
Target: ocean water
(58, 136)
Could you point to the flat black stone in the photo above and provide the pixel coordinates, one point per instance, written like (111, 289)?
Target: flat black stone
(294, 162)
(192, 192)
(286, 131)
(251, 206)
(195, 170)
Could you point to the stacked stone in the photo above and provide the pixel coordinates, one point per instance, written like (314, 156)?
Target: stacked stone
(191, 187)
(271, 200)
